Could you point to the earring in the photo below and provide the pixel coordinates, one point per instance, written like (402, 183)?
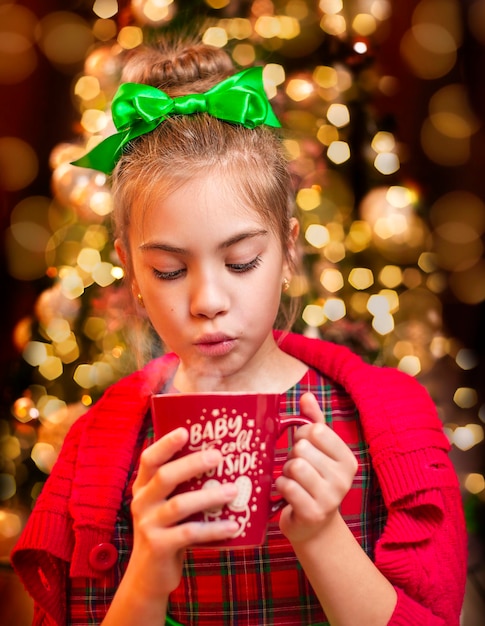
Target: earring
(285, 285)
(139, 297)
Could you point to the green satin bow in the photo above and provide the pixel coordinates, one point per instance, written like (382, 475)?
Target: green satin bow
(139, 109)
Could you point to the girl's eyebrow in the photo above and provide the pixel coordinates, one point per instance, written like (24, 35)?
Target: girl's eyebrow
(241, 236)
(165, 247)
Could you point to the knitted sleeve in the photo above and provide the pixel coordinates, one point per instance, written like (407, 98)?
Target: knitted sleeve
(423, 554)
(422, 551)
(40, 562)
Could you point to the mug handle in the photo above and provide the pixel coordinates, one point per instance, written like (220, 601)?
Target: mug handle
(285, 422)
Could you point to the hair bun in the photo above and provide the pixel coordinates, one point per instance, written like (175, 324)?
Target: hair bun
(178, 67)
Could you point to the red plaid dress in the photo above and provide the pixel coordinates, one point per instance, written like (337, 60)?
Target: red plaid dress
(262, 586)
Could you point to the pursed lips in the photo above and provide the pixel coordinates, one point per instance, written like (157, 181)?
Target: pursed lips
(217, 344)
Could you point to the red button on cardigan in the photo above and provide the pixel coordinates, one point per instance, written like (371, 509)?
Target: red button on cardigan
(103, 557)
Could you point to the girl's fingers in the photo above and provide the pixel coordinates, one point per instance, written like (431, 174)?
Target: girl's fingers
(320, 482)
(183, 505)
(297, 497)
(159, 453)
(168, 476)
(319, 434)
(326, 440)
(185, 535)
(310, 408)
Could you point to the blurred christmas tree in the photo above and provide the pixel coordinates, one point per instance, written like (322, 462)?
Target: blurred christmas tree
(374, 266)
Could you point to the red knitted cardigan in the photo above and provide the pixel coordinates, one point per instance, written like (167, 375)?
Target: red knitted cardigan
(422, 550)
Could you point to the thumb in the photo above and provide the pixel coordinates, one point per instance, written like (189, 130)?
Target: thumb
(310, 408)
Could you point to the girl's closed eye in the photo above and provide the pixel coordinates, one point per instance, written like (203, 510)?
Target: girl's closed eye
(169, 275)
(240, 268)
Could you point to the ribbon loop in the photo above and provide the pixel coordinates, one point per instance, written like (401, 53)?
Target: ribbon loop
(138, 109)
(134, 102)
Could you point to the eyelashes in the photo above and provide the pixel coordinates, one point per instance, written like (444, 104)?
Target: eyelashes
(240, 268)
(168, 275)
(237, 268)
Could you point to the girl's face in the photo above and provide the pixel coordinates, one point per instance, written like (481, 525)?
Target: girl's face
(210, 273)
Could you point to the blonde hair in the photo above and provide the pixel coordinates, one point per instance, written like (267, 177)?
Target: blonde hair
(249, 162)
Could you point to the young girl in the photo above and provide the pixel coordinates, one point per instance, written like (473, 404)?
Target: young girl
(373, 531)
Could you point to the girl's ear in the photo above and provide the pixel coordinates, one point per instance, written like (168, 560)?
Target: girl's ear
(120, 251)
(123, 257)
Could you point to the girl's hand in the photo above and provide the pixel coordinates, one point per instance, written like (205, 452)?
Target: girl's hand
(160, 538)
(318, 474)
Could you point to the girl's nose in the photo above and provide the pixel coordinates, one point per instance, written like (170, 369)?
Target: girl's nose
(208, 297)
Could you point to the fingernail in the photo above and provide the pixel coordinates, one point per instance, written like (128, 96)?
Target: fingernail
(212, 456)
(231, 527)
(229, 490)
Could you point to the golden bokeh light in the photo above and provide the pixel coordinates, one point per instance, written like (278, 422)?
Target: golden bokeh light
(104, 30)
(313, 315)
(334, 309)
(152, 12)
(451, 114)
(383, 141)
(332, 280)
(430, 45)
(387, 163)
(331, 7)
(410, 364)
(317, 235)
(338, 152)
(105, 8)
(244, 54)
(87, 87)
(359, 236)
(308, 198)
(18, 163)
(299, 89)
(383, 323)
(215, 36)
(475, 483)
(338, 115)
(445, 13)
(467, 359)
(64, 38)
(364, 24)
(18, 56)
(217, 4)
(130, 37)
(390, 276)
(361, 278)
(441, 147)
(333, 24)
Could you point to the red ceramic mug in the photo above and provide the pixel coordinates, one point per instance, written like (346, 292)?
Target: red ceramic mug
(245, 428)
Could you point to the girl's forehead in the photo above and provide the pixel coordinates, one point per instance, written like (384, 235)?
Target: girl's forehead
(209, 196)
(192, 206)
